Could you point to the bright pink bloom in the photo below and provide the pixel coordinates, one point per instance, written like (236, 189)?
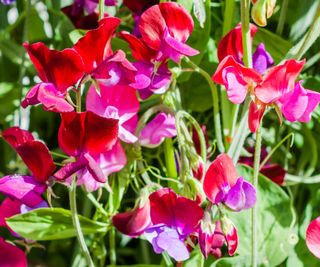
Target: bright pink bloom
(165, 28)
(231, 43)
(111, 103)
(35, 154)
(101, 38)
(222, 184)
(11, 256)
(133, 222)
(84, 136)
(276, 87)
(313, 237)
(52, 67)
(161, 127)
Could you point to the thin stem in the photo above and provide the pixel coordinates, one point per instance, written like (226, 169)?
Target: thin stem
(59, 155)
(101, 9)
(97, 204)
(169, 157)
(78, 99)
(76, 223)
(282, 18)
(228, 16)
(257, 154)
(246, 35)
(302, 180)
(112, 249)
(216, 106)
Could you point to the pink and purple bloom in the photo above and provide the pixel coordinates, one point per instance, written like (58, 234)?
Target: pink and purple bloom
(222, 184)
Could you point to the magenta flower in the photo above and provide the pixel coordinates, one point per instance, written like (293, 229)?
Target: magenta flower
(313, 237)
(52, 66)
(11, 256)
(170, 225)
(222, 184)
(160, 127)
(84, 136)
(261, 59)
(34, 154)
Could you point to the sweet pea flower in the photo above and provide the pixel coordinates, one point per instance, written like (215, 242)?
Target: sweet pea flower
(222, 184)
(134, 222)
(211, 237)
(52, 66)
(7, 2)
(34, 153)
(110, 103)
(276, 87)
(11, 256)
(313, 237)
(170, 225)
(84, 136)
(160, 127)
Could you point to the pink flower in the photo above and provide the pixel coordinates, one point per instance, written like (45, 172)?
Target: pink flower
(222, 184)
(313, 237)
(159, 128)
(276, 87)
(34, 154)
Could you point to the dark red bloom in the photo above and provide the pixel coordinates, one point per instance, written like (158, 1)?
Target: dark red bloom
(35, 154)
(84, 135)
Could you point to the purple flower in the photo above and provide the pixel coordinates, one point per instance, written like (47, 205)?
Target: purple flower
(7, 2)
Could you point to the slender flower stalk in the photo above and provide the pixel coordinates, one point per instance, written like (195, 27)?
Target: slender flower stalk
(216, 105)
(76, 223)
(101, 9)
(246, 37)
(256, 168)
(112, 249)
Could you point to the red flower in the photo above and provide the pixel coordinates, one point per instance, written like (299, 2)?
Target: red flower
(83, 135)
(313, 237)
(35, 154)
(52, 67)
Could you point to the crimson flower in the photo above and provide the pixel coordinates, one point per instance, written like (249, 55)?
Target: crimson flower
(34, 153)
(222, 184)
(52, 66)
(83, 136)
(11, 256)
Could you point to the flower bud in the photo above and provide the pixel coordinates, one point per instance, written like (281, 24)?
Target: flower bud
(230, 233)
(261, 10)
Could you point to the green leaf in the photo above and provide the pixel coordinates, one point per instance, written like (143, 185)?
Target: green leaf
(275, 237)
(51, 224)
(238, 261)
(200, 12)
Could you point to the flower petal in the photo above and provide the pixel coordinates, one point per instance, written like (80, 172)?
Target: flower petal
(11, 256)
(313, 237)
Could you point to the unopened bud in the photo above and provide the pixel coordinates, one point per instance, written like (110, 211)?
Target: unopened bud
(261, 10)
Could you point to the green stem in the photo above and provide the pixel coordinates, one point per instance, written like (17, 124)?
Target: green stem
(228, 16)
(76, 223)
(257, 154)
(78, 99)
(282, 18)
(169, 157)
(101, 9)
(59, 155)
(112, 249)
(246, 35)
(215, 99)
(97, 204)
(302, 180)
